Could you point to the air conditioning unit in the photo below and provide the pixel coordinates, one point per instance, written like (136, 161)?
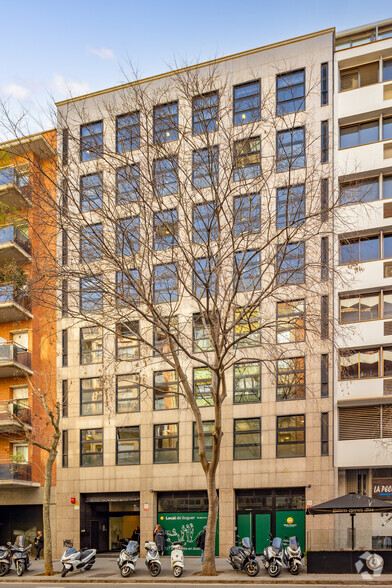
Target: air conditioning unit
(388, 269)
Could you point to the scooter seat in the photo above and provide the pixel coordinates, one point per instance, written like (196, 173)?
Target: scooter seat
(235, 550)
(86, 553)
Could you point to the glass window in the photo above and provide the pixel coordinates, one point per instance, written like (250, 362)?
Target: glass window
(91, 345)
(202, 386)
(166, 123)
(165, 390)
(127, 236)
(205, 170)
(246, 103)
(64, 297)
(324, 375)
(205, 113)
(290, 92)
(91, 297)
(247, 382)
(324, 258)
(361, 364)
(359, 250)
(64, 398)
(165, 176)
(387, 70)
(64, 347)
(91, 447)
(91, 191)
(290, 436)
(360, 134)
(205, 223)
(64, 248)
(127, 446)
(91, 396)
(127, 132)
(165, 229)
(358, 77)
(387, 128)
(91, 241)
(64, 449)
(127, 184)
(204, 277)
(127, 341)
(387, 245)
(324, 433)
(387, 187)
(290, 206)
(247, 438)
(166, 443)
(364, 307)
(324, 141)
(291, 263)
(247, 159)
(247, 327)
(324, 84)
(91, 141)
(201, 333)
(247, 271)
(290, 321)
(290, 149)
(65, 145)
(247, 215)
(127, 393)
(387, 361)
(387, 304)
(208, 429)
(126, 288)
(357, 192)
(161, 338)
(165, 283)
(290, 378)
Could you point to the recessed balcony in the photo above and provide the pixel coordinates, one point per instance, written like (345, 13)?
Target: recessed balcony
(13, 475)
(14, 245)
(15, 305)
(15, 361)
(11, 412)
(14, 190)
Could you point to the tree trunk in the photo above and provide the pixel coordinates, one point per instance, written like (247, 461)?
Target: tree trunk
(46, 513)
(209, 551)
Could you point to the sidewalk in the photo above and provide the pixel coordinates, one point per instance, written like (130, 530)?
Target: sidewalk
(105, 570)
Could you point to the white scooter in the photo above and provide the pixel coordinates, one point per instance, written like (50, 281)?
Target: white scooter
(128, 558)
(292, 557)
(77, 560)
(177, 559)
(152, 558)
(272, 557)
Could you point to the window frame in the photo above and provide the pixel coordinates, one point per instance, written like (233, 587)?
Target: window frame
(169, 123)
(288, 88)
(93, 352)
(121, 178)
(245, 99)
(88, 204)
(290, 429)
(324, 433)
(210, 163)
(64, 448)
(171, 294)
(205, 382)
(210, 108)
(136, 452)
(128, 127)
(84, 443)
(289, 161)
(133, 341)
(118, 388)
(237, 433)
(162, 437)
(300, 271)
(173, 395)
(292, 371)
(237, 378)
(250, 171)
(94, 281)
(98, 148)
(195, 438)
(291, 316)
(83, 403)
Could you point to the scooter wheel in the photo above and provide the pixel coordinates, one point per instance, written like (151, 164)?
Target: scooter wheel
(64, 572)
(20, 568)
(294, 569)
(177, 571)
(126, 571)
(252, 568)
(274, 569)
(155, 569)
(4, 569)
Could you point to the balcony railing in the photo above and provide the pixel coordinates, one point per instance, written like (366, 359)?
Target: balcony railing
(15, 471)
(13, 234)
(15, 353)
(8, 293)
(11, 409)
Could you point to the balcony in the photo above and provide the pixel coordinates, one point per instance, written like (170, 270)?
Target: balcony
(15, 305)
(8, 411)
(14, 245)
(14, 361)
(15, 474)
(14, 191)
(371, 100)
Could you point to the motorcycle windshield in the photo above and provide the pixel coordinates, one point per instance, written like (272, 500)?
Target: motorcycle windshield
(20, 542)
(277, 543)
(70, 551)
(293, 543)
(246, 542)
(132, 547)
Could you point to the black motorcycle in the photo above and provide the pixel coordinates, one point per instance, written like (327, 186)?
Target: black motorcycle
(243, 558)
(5, 560)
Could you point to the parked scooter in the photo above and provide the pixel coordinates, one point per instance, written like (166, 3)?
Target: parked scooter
(128, 558)
(20, 554)
(5, 560)
(152, 558)
(243, 558)
(273, 556)
(177, 559)
(83, 559)
(292, 557)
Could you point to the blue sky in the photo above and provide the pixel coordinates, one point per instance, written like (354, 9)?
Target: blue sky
(52, 48)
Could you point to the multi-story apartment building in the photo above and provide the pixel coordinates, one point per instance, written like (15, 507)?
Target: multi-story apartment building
(27, 332)
(130, 459)
(363, 287)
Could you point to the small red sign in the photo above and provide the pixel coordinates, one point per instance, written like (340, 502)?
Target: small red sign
(73, 500)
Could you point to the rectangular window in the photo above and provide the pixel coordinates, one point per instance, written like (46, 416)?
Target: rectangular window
(324, 433)
(127, 184)
(247, 271)
(359, 134)
(290, 378)
(357, 192)
(91, 242)
(128, 393)
(127, 446)
(64, 398)
(166, 443)
(387, 307)
(247, 382)
(324, 375)
(387, 187)
(65, 141)
(324, 141)
(202, 380)
(204, 277)
(127, 341)
(247, 438)
(387, 70)
(161, 337)
(127, 132)
(290, 149)
(247, 215)
(205, 168)
(165, 172)
(360, 250)
(64, 448)
(91, 447)
(387, 128)
(205, 113)
(247, 159)
(91, 297)
(64, 348)
(246, 103)
(290, 206)
(165, 229)
(290, 92)
(361, 307)
(126, 288)
(91, 345)
(201, 333)
(359, 77)
(91, 192)
(359, 364)
(324, 200)
(165, 283)
(290, 263)
(165, 390)
(208, 429)
(128, 236)
(324, 317)
(324, 258)
(324, 84)
(290, 321)
(166, 123)
(290, 440)
(91, 396)
(247, 327)
(205, 223)
(64, 248)
(91, 141)
(64, 197)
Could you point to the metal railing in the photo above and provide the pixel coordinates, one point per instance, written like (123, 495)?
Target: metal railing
(15, 471)
(16, 353)
(15, 235)
(12, 408)
(8, 293)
